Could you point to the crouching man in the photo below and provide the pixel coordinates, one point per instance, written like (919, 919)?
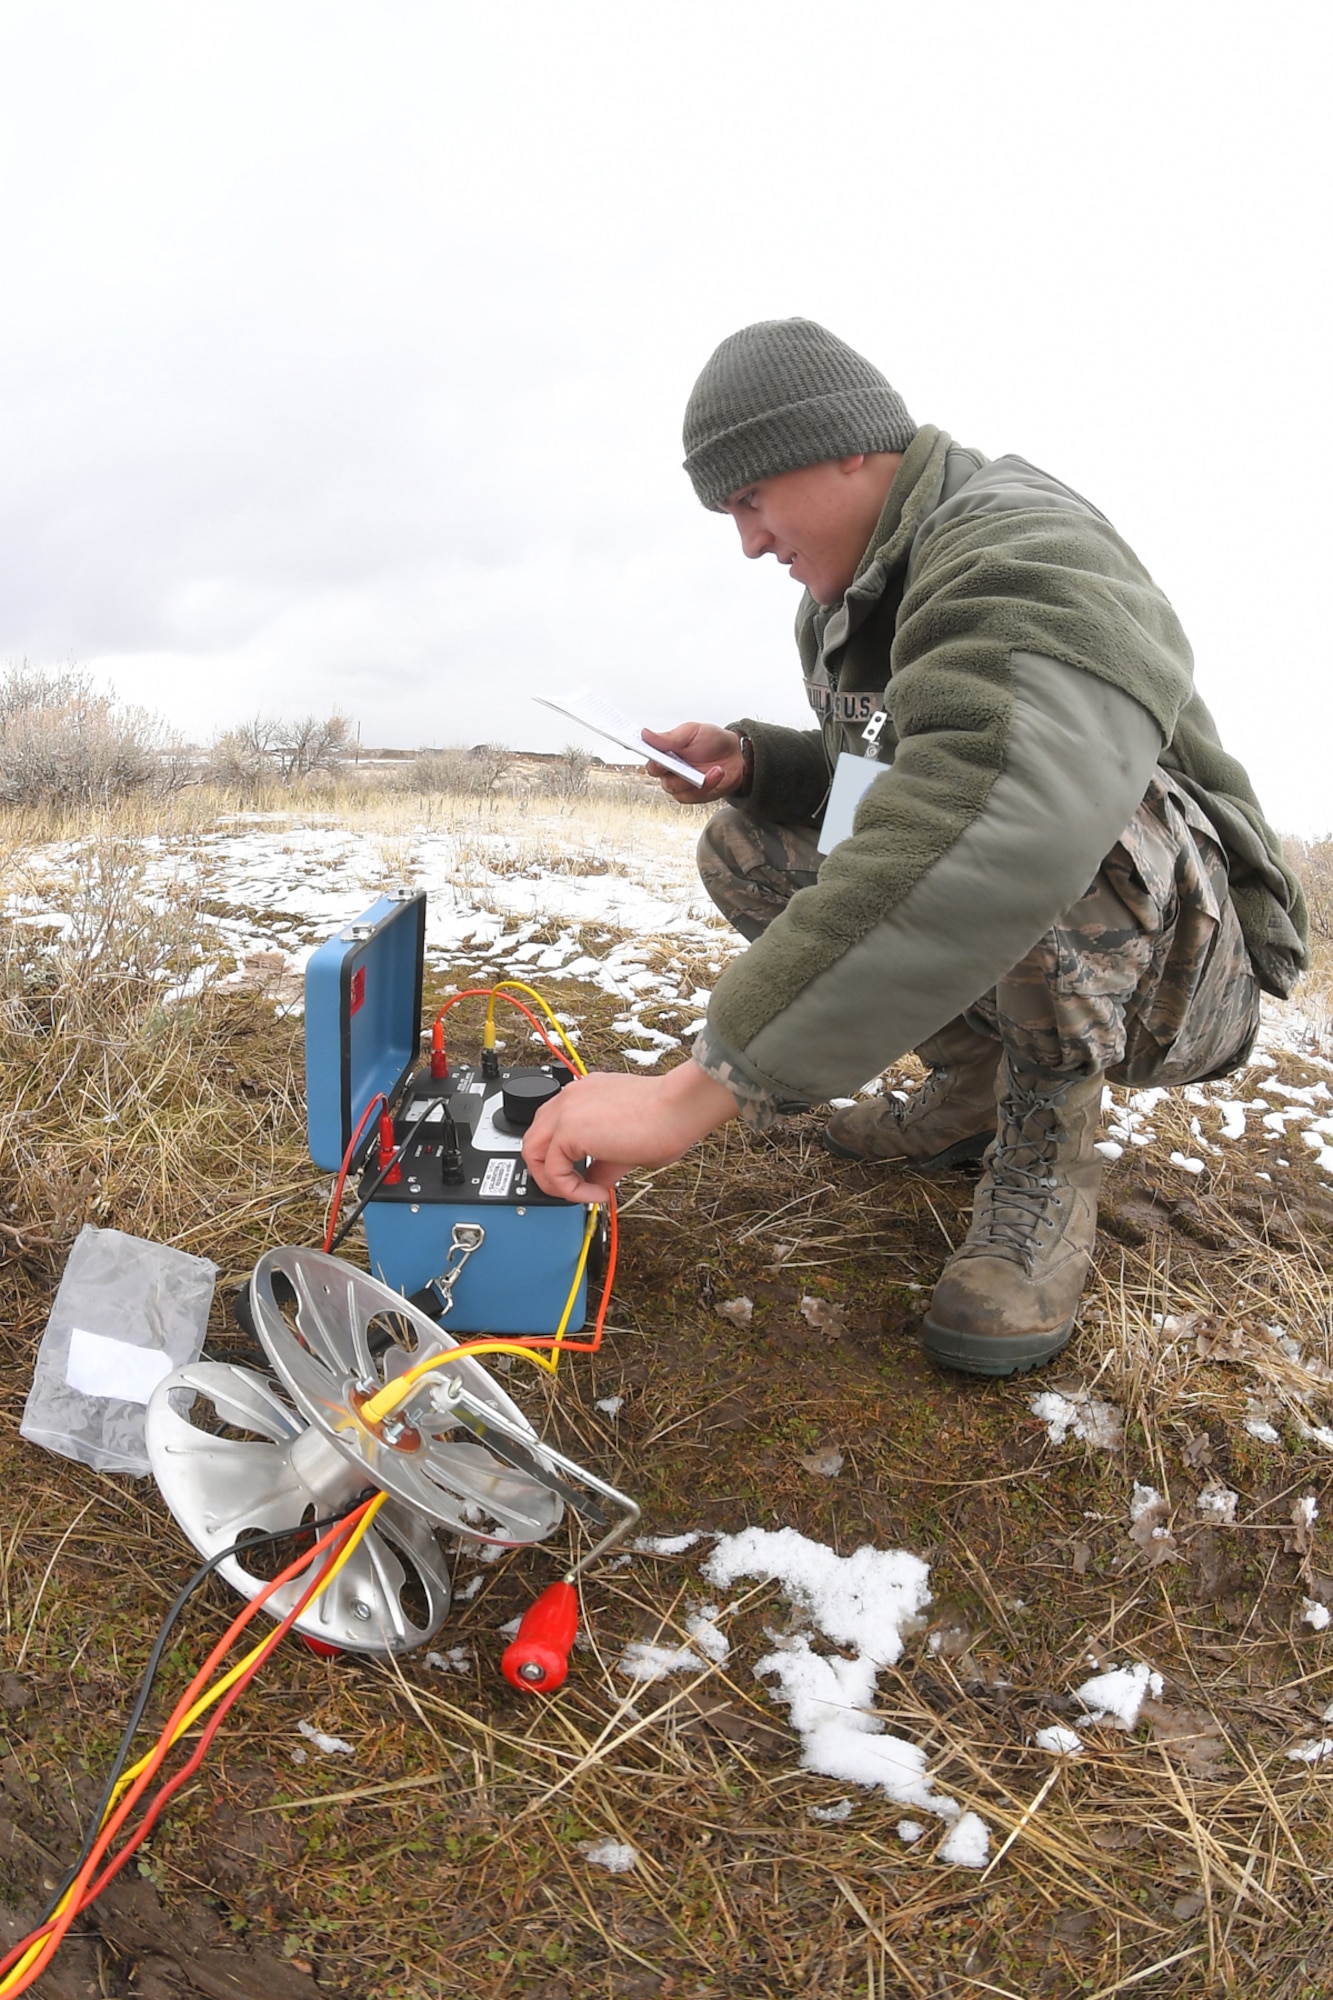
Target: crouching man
(1055, 877)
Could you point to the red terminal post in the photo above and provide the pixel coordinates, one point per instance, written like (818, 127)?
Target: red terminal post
(439, 1061)
(395, 1173)
(538, 1658)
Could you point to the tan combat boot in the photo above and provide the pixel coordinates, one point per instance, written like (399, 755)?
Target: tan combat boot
(948, 1118)
(1008, 1297)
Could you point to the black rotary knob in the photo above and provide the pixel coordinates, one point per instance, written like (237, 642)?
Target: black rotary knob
(524, 1096)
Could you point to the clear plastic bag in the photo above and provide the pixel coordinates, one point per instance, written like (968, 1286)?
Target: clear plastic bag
(127, 1313)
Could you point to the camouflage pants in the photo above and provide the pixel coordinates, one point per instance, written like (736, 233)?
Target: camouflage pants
(1145, 978)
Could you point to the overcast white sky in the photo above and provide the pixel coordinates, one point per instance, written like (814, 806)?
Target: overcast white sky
(345, 347)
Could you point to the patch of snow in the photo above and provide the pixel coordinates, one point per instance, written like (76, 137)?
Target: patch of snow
(1218, 1503)
(1109, 1149)
(1316, 1615)
(1117, 1695)
(612, 1405)
(1259, 1427)
(824, 1315)
(966, 1844)
(1191, 1166)
(831, 1815)
(458, 1660)
(665, 1545)
(332, 1746)
(1088, 1417)
(1061, 1742)
(707, 1642)
(910, 1831)
(616, 1856)
(1143, 1500)
(863, 1600)
(1312, 1752)
(867, 1601)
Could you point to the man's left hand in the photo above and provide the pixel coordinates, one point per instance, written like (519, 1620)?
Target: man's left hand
(620, 1122)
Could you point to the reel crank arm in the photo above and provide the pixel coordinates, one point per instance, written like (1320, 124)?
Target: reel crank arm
(503, 1444)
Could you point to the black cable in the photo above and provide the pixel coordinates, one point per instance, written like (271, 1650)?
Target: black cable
(388, 1167)
(241, 1309)
(122, 1756)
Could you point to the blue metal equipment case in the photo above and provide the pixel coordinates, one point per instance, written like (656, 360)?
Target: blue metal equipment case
(460, 1137)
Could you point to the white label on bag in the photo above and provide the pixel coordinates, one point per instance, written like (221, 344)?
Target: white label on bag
(852, 779)
(100, 1366)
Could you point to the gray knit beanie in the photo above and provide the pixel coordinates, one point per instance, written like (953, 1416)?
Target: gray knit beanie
(781, 394)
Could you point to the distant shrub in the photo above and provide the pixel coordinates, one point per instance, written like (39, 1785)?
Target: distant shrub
(268, 749)
(64, 744)
(569, 775)
(1313, 862)
(474, 773)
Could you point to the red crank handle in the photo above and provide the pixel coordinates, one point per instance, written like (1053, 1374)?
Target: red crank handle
(538, 1657)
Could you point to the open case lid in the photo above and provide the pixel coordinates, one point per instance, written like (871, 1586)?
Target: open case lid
(362, 1019)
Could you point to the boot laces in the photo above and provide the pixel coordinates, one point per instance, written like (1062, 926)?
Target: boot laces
(933, 1088)
(1023, 1185)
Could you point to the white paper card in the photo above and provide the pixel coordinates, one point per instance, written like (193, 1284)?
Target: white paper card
(851, 781)
(100, 1366)
(588, 708)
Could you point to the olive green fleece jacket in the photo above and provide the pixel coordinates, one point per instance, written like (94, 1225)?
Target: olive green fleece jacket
(1033, 675)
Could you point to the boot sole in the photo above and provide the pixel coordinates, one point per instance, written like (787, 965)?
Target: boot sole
(993, 1354)
(956, 1155)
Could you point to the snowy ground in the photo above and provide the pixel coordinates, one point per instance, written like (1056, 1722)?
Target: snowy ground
(619, 906)
(541, 899)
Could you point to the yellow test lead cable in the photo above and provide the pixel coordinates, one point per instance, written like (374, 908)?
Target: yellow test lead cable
(233, 1674)
(14, 1980)
(509, 986)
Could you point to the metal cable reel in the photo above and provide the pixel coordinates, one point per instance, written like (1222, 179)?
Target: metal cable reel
(232, 1450)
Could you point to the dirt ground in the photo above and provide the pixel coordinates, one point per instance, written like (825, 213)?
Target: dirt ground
(446, 1856)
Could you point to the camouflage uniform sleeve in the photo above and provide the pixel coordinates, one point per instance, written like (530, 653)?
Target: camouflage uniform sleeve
(757, 1106)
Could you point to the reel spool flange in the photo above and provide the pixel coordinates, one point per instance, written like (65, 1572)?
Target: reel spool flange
(336, 1337)
(230, 1454)
(231, 1451)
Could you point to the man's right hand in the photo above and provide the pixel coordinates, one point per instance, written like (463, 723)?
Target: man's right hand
(714, 751)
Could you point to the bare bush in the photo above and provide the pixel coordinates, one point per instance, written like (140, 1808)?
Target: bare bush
(570, 774)
(1313, 862)
(64, 744)
(474, 773)
(269, 748)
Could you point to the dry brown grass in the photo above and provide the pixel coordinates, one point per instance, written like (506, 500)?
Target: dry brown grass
(1189, 1857)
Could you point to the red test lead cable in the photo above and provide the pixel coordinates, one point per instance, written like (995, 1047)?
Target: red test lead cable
(78, 1895)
